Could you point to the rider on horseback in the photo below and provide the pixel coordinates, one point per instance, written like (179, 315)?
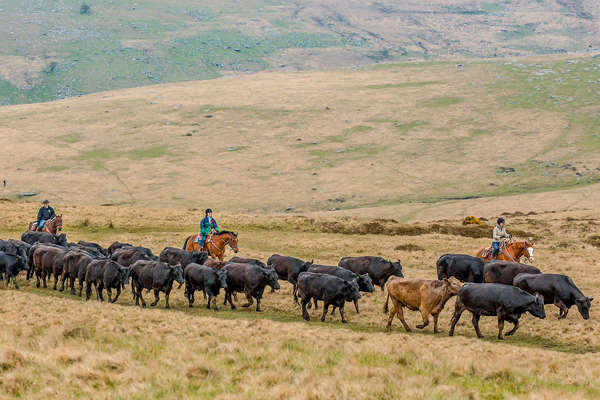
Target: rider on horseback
(46, 212)
(207, 225)
(500, 237)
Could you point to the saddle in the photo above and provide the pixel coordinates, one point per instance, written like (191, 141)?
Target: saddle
(487, 252)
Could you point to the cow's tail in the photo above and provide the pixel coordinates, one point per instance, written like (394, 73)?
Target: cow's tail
(186, 242)
(385, 306)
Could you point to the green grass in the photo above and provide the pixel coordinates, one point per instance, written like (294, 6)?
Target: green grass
(518, 32)
(152, 152)
(408, 126)
(403, 85)
(442, 102)
(358, 129)
(70, 138)
(54, 168)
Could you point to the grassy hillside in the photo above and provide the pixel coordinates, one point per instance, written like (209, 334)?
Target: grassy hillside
(52, 49)
(63, 346)
(389, 135)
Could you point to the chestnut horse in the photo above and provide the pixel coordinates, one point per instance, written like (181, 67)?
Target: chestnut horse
(52, 226)
(513, 251)
(214, 244)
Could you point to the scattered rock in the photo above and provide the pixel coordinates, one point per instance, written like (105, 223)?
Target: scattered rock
(289, 208)
(298, 139)
(188, 134)
(208, 116)
(232, 148)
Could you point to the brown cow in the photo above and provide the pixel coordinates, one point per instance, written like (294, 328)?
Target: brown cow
(215, 264)
(505, 271)
(428, 297)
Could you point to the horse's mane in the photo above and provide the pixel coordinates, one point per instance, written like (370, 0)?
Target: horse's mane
(225, 233)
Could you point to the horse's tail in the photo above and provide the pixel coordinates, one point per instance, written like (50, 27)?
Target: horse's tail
(186, 242)
(385, 307)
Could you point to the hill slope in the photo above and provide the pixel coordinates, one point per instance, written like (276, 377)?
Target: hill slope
(50, 50)
(315, 141)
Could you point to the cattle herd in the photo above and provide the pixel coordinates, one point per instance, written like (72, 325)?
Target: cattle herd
(497, 288)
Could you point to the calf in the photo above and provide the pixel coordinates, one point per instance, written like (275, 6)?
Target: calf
(556, 289)
(209, 280)
(250, 279)
(154, 275)
(328, 288)
(107, 274)
(240, 260)
(428, 297)
(505, 271)
(33, 237)
(379, 269)
(174, 256)
(463, 267)
(364, 281)
(47, 260)
(288, 268)
(11, 265)
(508, 303)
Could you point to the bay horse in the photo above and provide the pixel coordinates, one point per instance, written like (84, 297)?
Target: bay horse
(53, 225)
(513, 251)
(215, 244)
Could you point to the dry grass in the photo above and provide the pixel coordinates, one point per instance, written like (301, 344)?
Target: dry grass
(63, 346)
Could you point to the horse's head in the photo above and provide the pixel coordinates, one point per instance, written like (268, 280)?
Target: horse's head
(58, 222)
(233, 242)
(528, 249)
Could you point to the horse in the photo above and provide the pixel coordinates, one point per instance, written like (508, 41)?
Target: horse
(512, 251)
(214, 244)
(52, 226)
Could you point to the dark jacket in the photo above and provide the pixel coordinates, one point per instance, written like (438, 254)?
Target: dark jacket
(206, 224)
(45, 213)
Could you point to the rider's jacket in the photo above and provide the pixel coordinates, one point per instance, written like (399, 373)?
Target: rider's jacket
(206, 224)
(45, 214)
(500, 234)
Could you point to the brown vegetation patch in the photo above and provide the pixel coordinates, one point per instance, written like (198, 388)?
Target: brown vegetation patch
(409, 247)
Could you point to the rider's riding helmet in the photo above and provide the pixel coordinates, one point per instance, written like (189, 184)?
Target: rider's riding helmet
(500, 220)
(45, 202)
(208, 210)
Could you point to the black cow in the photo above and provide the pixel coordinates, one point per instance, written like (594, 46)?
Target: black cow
(107, 274)
(74, 262)
(461, 266)
(11, 265)
(364, 281)
(16, 247)
(240, 260)
(379, 269)
(127, 256)
(94, 246)
(556, 289)
(508, 303)
(288, 268)
(33, 237)
(505, 271)
(174, 256)
(209, 280)
(328, 288)
(155, 275)
(116, 246)
(249, 279)
(91, 250)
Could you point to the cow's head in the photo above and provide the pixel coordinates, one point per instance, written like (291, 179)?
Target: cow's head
(199, 257)
(365, 284)
(222, 276)
(537, 308)
(352, 290)
(453, 285)
(177, 273)
(61, 239)
(271, 277)
(397, 268)
(583, 305)
(22, 263)
(306, 265)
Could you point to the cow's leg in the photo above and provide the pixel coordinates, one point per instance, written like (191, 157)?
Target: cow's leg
(295, 292)
(156, 297)
(325, 307)
(500, 326)
(14, 279)
(400, 314)
(258, 298)
(392, 312)
(80, 287)
(459, 308)
(63, 278)
(475, 321)
(37, 278)
(425, 315)
(342, 313)
(44, 279)
(99, 289)
(88, 290)
(190, 295)
(139, 295)
(118, 293)
(230, 302)
(167, 293)
(55, 287)
(563, 310)
(514, 329)
(249, 298)
(356, 306)
(435, 323)
(333, 309)
(109, 292)
(305, 301)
